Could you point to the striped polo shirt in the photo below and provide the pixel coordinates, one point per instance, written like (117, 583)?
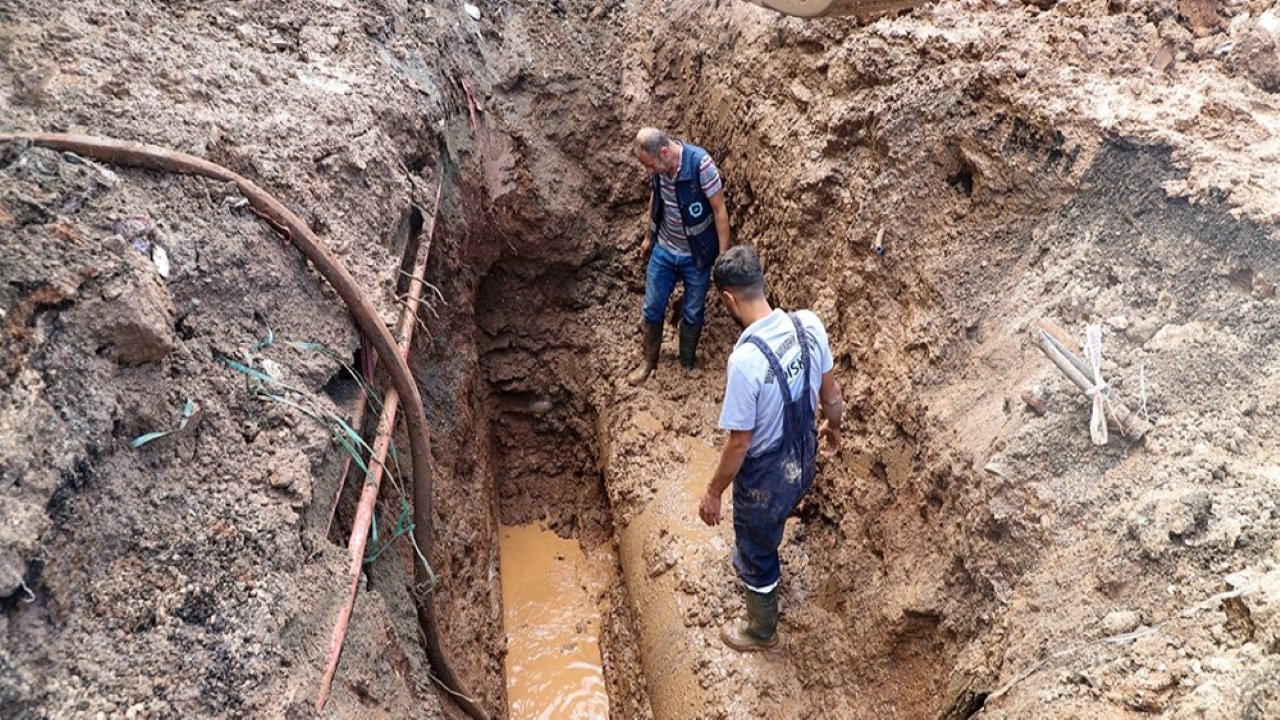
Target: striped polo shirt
(671, 232)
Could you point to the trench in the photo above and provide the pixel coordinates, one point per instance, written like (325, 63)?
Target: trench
(566, 612)
(641, 579)
(894, 563)
(594, 487)
(593, 627)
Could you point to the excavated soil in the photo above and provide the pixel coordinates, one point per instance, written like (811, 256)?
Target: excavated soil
(967, 555)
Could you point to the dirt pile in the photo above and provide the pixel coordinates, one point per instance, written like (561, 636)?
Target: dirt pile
(1081, 161)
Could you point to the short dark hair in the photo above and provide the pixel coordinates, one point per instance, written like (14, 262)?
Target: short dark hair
(739, 270)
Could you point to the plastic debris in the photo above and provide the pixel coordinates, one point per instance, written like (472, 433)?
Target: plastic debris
(1086, 374)
(472, 10)
(138, 225)
(161, 259)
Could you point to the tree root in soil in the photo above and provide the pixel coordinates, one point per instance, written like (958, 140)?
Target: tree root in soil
(151, 157)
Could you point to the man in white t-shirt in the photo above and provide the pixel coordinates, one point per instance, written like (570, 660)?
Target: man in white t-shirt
(778, 372)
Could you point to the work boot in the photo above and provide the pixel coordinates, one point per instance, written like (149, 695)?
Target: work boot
(651, 343)
(760, 632)
(689, 337)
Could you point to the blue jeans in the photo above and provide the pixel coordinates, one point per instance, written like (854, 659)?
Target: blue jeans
(660, 279)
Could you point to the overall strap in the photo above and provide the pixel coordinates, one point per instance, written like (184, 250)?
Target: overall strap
(802, 338)
(775, 362)
(776, 366)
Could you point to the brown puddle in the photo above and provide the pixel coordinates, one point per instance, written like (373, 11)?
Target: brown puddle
(551, 612)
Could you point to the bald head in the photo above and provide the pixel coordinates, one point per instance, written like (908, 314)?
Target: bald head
(651, 140)
(656, 152)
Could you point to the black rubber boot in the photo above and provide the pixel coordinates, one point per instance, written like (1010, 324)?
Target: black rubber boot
(689, 337)
(650, 344)
(760, 632)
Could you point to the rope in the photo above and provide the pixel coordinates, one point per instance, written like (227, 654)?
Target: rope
(1100, 392)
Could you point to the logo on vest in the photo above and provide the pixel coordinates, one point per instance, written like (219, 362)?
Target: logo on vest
(695, 210)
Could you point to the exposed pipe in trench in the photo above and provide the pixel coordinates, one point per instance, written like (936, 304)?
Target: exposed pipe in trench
(151, 157)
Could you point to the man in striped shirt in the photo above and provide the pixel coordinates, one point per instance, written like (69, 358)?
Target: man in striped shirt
(688, 228)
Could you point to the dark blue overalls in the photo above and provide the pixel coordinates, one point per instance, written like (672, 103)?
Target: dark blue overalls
(770, 484)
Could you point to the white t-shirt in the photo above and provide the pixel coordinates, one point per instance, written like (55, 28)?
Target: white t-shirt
(752, 399)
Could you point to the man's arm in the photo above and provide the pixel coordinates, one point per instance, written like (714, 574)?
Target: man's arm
(721, 215)
(832, 411)
(735, 451)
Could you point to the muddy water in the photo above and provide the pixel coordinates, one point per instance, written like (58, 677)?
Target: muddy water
(551, 613)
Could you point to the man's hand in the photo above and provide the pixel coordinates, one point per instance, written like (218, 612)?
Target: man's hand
(832, 410)
(830, 440)
(735, 449)
(645, 247)
(709, 509)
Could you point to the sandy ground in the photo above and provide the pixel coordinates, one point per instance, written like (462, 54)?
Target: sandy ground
(1104, 162)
